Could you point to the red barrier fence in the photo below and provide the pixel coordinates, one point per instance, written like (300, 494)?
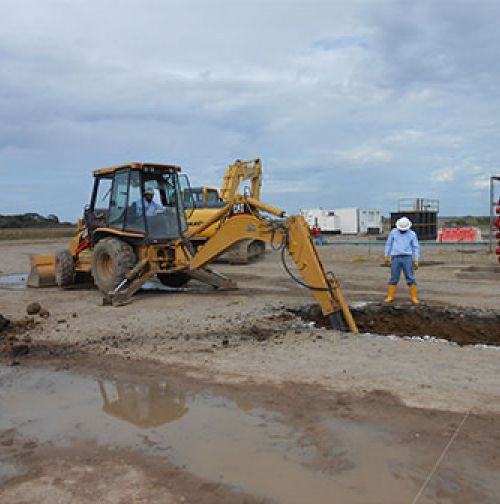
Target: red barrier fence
(459, 234)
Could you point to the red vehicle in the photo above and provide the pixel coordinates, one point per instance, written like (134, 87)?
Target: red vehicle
(497, 224)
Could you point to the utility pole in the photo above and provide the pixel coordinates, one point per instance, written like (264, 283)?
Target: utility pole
(494, 203)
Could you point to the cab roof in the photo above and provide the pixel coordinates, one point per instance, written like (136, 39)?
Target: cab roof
(200, 189)
(135, 166)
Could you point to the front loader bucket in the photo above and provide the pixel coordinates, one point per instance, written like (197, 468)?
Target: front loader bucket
(42, 272)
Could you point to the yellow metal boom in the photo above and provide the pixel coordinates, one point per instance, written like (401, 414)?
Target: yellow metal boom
(238, 172)
(291, 235)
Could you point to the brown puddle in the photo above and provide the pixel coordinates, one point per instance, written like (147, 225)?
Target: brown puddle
(213, 437)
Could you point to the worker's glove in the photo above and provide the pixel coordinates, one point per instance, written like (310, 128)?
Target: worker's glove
(387, 260)
(416, 265)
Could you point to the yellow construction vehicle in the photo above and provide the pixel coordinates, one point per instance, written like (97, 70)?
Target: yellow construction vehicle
(126, 238)
(206, 201)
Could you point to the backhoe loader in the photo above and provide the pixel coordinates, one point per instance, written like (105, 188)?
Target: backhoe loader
(206, 201)
(122, 243)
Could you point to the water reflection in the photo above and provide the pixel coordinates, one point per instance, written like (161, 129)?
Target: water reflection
(13, 282)
(223, 441)
(144, 405)
(18, 282)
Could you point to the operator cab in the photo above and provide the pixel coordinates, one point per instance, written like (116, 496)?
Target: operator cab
(204, 197)
(120, 203)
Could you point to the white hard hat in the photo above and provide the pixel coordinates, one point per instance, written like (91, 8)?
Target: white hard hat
(403, 224)
(149, 190)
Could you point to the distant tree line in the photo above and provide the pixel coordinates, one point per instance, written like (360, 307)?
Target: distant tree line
(31, 220)
(470, 220)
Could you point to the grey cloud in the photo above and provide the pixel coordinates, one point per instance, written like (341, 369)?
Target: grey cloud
(448, 43)
(346, 103)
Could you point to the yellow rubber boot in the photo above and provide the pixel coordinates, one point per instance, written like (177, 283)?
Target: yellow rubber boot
(413, 294)
(392, 293)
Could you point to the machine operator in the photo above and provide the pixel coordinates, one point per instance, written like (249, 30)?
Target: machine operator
(151, 208)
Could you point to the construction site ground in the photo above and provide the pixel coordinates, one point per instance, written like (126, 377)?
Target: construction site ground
(195, 395)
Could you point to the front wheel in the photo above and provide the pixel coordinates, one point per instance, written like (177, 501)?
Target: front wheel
(112, 260)
(64, 268)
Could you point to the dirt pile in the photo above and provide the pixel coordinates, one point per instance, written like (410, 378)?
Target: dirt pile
(464, 326)
(15, 338)
(4, 323)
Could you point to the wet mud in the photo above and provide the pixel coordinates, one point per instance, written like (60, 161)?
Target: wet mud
(464, 326)
(292, 444)
(489, 273)
(18, 281)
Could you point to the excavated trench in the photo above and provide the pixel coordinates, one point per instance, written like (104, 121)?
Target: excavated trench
(463, 326)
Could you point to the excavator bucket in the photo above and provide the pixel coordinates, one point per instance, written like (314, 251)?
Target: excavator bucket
(42, 272)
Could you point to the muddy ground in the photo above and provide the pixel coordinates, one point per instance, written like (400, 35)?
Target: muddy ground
(260, 345)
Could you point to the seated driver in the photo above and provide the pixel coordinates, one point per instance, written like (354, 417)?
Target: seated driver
(151, 208)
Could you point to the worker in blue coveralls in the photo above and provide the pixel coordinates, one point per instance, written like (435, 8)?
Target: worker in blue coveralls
(402, 252)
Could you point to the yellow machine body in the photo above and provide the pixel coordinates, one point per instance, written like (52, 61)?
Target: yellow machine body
(177, 259)
(199, 216)
(236, 173)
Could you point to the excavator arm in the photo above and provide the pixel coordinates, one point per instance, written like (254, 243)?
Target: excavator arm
(291, 235)
(237, 173)
(285, 234)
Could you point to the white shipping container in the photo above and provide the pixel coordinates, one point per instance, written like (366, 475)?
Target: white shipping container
(348, 220)
(369, 220)
(311, 215)
(344, 220)
(359, 220)
(326, 220)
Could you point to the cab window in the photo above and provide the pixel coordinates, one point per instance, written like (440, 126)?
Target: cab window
(135, 210)
(98, 213)
(118, 200)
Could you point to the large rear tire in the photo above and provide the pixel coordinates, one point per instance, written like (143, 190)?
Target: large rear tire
(64, 268)
(112, 260)
(173, 279)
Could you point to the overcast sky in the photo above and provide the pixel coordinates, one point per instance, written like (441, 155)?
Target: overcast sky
(347, 103)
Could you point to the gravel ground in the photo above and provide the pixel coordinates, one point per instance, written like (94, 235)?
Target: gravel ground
(249, 335)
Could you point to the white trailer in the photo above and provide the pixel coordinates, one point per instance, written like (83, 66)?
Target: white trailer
(324, 219)
(369, 221)
(359, 220)
(348, 220)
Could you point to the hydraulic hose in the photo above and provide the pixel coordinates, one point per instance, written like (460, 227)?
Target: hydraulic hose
(283, 247)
